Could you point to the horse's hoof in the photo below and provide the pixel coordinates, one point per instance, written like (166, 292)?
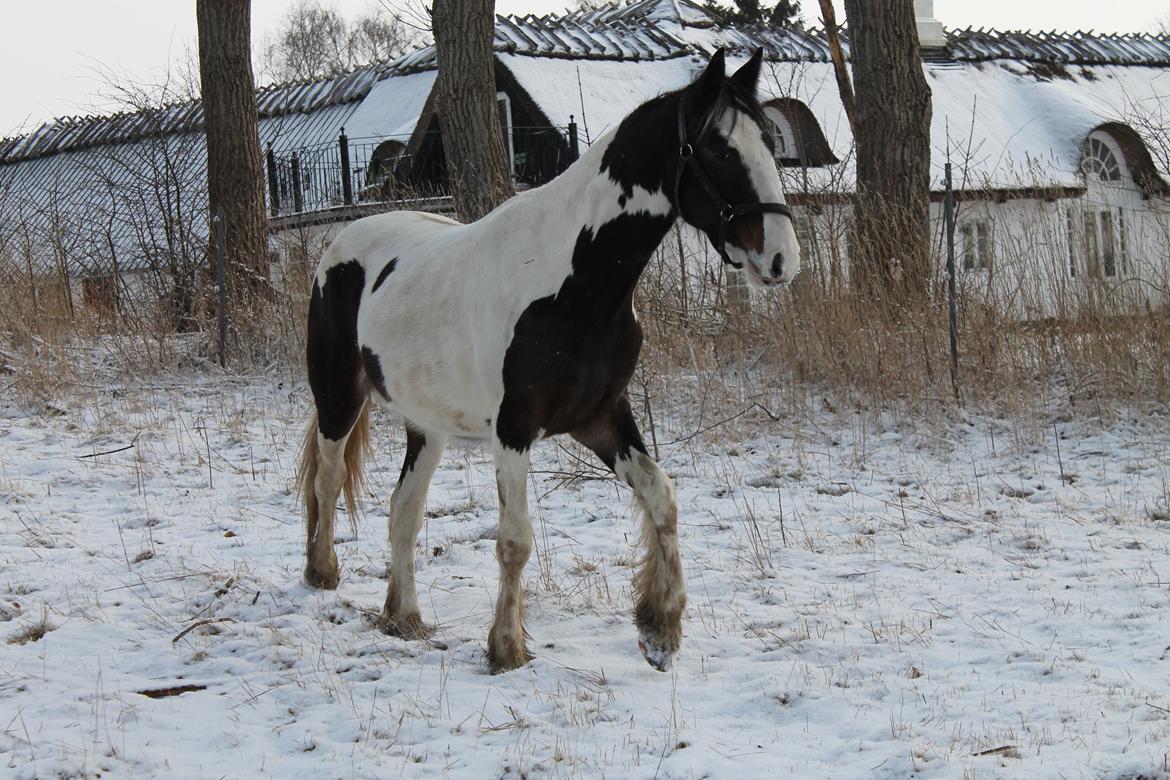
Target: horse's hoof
(409, 626)
(655, 654)
(324, 581)
(505, 661)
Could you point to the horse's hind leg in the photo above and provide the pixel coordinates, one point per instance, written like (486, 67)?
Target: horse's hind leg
(329, 467)
(401, 615)
(658, 586)
(331, 462)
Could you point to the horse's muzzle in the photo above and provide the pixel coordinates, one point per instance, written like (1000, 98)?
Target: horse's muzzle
(778, 265)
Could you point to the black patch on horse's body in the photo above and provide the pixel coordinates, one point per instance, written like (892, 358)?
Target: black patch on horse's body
(336, 374)
(373, 368)
(625, 160)
(389, 269)
(573, 353)
(415, 441)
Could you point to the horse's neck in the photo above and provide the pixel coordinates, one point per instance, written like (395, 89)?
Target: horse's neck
(618, 195)
(618, 226)
(588, 234)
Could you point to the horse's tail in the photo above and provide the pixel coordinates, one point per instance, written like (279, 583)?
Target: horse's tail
(356, 446)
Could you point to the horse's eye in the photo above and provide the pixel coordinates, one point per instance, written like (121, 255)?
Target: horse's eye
(722, 152)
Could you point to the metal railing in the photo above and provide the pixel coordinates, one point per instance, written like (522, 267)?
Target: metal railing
(394, 168)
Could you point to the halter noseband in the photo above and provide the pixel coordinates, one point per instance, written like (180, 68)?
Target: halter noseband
(688, 160)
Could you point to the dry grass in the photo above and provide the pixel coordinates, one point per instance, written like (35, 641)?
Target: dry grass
(33, 632)
(1029, 343)
(1033, 340)
(56, 337)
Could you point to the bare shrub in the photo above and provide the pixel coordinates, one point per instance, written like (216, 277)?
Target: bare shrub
(1030, 338)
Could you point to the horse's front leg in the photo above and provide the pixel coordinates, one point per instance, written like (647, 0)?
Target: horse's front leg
(659, 591)
(506, 648)
(401, 615)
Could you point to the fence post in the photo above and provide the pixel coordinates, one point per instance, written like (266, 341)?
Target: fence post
(273, 185)
(346, 181)
(298, 196)
(574, 149)
(954, 326)
(221, 260)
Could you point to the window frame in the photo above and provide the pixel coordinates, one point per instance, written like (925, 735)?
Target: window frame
(1100, 157)
(783, 135)
(1096, 243)
(977, 245)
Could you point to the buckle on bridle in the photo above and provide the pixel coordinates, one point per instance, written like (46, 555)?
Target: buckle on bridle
(686, 151)
(727, 213)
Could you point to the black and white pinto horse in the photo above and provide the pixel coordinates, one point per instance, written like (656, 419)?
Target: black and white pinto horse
(521, 326)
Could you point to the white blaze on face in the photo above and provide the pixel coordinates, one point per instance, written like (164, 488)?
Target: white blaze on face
(747, 138)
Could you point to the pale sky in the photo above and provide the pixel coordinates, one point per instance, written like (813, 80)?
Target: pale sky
(52, 50)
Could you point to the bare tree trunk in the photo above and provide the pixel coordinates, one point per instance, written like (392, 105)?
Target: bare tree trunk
(235, 179)
(829, 19)
(891, 250)
(473, 142)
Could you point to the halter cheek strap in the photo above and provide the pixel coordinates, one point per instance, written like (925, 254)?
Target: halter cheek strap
(688, 161)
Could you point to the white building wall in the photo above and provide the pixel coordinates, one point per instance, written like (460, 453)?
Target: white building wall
(1027, 275)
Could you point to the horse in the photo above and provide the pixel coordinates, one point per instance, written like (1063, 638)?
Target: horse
(521, 326)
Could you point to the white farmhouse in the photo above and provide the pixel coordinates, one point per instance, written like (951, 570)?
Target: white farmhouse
(1058, 144)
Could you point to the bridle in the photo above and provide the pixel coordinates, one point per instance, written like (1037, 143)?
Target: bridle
(688, 160)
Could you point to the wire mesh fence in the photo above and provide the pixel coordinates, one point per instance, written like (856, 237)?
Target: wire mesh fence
(397, 168)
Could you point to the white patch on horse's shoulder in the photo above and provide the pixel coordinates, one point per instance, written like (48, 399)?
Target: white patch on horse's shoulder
(639, 201)
(642, 201)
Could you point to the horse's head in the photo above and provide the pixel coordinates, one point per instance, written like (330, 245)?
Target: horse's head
(726, 182)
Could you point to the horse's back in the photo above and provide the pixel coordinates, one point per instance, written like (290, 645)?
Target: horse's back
(366, 240)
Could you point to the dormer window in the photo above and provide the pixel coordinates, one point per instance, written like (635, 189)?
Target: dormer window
(1098, 159)
(783, 136)
(1097, 230)
(798, 140)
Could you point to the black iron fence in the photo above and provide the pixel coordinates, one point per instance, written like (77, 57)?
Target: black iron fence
(371, 170)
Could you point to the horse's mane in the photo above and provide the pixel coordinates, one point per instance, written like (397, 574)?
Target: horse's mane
(732, 95)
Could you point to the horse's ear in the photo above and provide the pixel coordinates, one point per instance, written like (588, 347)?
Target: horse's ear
(747, 76)
(708, 84)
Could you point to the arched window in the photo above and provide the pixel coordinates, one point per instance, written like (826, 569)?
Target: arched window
(1097, 231)
(782, 135)
(1099, 159)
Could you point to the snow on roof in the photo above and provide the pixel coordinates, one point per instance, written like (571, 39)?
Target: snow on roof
(999, 125)
(629, 32)
(1011, 109)
(598, 93)
(392, 107)
(273, 102)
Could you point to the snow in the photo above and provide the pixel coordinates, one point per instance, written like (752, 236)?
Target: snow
(868, 598)
(392, 108)
(1018, 126)
(607, 89)
(1003, 127)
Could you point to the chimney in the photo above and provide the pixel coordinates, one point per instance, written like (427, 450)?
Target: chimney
(930, 30)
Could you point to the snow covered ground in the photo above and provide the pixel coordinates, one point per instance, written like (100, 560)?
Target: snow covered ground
(958, 600)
